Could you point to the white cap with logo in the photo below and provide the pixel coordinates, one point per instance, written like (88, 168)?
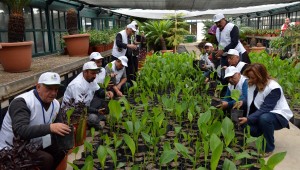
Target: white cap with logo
(49, 78)
(233, 52)
(218, 17)
(134, 22)
(95, 56)
(230, 71)
(91, 65)
(132, 26)
(124, 60)
(208, 45)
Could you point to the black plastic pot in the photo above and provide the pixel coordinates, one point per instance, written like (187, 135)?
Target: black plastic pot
(236, 114)
(215, 102)
(64, 142)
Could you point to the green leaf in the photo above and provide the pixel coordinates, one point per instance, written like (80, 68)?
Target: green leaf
(88, 163)
(128, 126)
(113, 155)
(242, 155)
(115, 109)
(215, 156)
(73, 166)
(214, 142)
(88, 146)
(235, 94)
(201, 168)
(102, 153)
(167, 156)
(130, 143)
(227, 130)
(146, 137)
(121, 164)
(69, 113)
(228, 165)
(276, 159)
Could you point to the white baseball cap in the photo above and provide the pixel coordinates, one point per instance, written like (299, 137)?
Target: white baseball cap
(230, 71)
(91, 65)
(132, 26)
(218, 17)
(134, 23)
(124, 60)
(233, 52)
(49, 78)
(95, 56)
(208, 44)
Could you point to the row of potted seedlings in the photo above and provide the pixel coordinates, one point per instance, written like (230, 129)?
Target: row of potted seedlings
(166, 121)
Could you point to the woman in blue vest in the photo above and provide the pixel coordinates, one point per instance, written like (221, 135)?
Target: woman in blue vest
(267, 108)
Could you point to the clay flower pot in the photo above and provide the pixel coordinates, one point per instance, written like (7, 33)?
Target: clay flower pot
(16, 57)
(77, 44)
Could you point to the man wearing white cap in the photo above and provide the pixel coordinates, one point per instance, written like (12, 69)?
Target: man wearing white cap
(233, 59)
(206, 65)
(238, 82)
(227, 35)
(97, 58)
(83, 88)
(116, 70)
(122, 42)
(31, 117)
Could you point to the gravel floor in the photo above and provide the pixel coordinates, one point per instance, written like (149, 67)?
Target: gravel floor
(39, 64)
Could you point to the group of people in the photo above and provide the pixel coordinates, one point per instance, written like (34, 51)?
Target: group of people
(33, 115)
(261, 97)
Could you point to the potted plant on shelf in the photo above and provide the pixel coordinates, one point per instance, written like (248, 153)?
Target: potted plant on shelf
(77, 44)
(16, 49)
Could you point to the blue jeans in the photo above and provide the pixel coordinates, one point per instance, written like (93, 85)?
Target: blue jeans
(266, 125)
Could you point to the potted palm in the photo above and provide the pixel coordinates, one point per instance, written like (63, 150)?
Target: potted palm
(77, 44)
(157, 31)
(16, 49)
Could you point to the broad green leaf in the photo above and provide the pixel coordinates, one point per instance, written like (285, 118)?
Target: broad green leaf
(88, 163)
(167, 156)
(214, 142)
(228, 165)
(69, 113)
(128, 126)
(121, 164)
(190, 116)
(215, 128)
(88, 146)
(215, 156)
(227, 130)
(146, 137)
(113, 155)
(130, 143)
(167, 146)
(242, 155)
(235, 94)
(102, 153)
(201, 168)
(204, 117)
(251, 139)
(275, 159)
(115, 109)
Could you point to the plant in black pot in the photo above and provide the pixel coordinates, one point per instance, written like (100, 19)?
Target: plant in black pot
(65, 142)
(236, 113)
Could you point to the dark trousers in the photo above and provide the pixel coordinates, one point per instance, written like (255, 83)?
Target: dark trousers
(266, 125)
(50, 157)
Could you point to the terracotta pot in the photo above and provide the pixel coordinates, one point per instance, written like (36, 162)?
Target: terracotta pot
(257, 49)
(99, 48)
(77, 45)
(16, 57)
(63, 164)
(166, 51)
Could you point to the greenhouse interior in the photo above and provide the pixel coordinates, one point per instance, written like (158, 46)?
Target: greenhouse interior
(149, 84)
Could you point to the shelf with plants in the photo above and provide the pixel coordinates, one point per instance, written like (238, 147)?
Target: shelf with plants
(166, 122)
